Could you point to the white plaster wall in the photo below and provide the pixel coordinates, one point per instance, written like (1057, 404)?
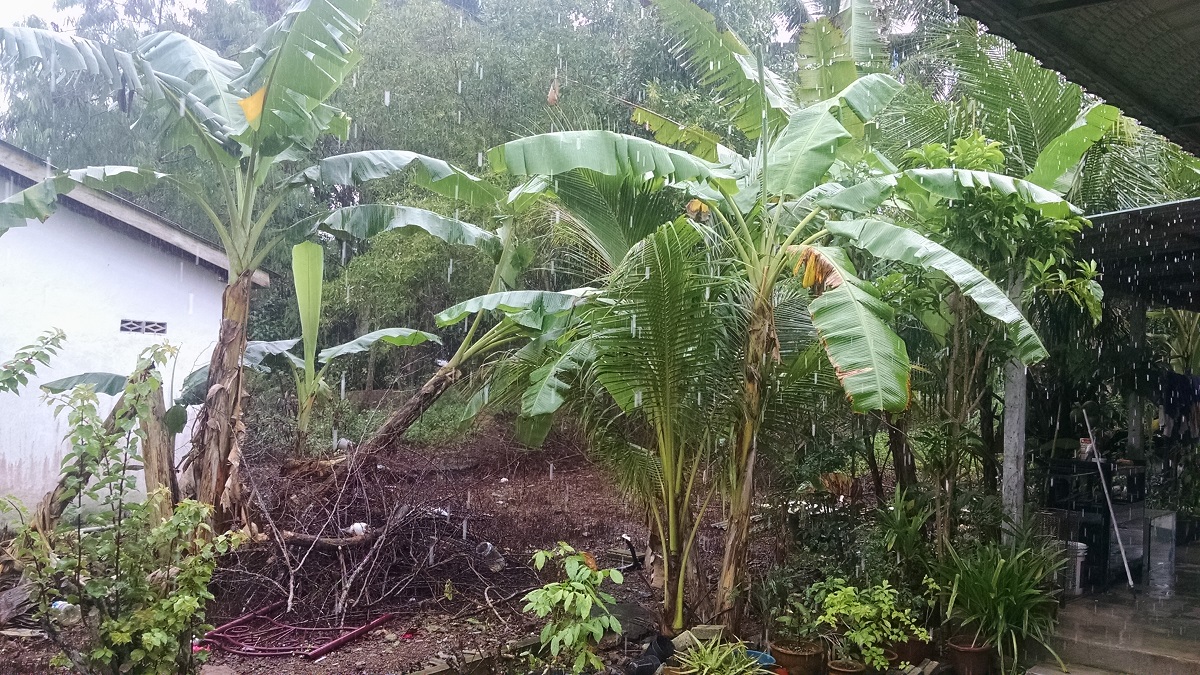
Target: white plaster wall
(84, 277)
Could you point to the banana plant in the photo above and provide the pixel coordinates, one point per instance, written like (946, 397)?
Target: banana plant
(776, 211)
(308, 370)
(249, 120)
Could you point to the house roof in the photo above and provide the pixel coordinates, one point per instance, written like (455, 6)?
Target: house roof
(1149, 252)
(123, 214)
(1139, 55)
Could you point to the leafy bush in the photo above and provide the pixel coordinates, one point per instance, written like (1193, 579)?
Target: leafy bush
(574, 628)
(140, 582)
(867, 618)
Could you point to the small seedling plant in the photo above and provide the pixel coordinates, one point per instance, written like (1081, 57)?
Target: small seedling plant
(576, 607)
(718, 658)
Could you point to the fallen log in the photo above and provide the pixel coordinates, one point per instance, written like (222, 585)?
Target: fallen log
(301, 539)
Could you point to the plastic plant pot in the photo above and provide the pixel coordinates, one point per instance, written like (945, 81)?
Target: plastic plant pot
(846, 668)
(969, 658)
(804, 657)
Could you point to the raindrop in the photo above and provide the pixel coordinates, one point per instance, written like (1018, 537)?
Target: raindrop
(387, 98)
(637, 398)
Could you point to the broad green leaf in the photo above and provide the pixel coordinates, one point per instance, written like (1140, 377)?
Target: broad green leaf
(435, 174)
(852, 323)
(176, 418)
(721, 61)
(40, 200)
(698, 141)
(193, 390)
(191, 85)
(823, 55)
(869, 94)
(367, 220)
(1057, 162)
(296, 66)
(886, 240)
(258, 351)
(949, 184)
(102, 383)
(547, 390)
(605, 152)
(526, 307)
(308, 273)
(803, 152)
(403, 337)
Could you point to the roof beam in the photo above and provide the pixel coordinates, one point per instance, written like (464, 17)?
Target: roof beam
(1057, 7)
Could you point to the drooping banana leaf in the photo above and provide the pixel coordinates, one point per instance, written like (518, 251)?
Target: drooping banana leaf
(886, 240)
(296, 65)
(435, 174)
(547, 390)
(868, 95)
(402, 337)
(186, 80)
(1056, 164)
(949, 184)
(870, 360)
(259, 352)
(698, 141)
(40, 200)
(721, 61)
(102, 383)
(605, 152)
(528, 308)
(367, 220)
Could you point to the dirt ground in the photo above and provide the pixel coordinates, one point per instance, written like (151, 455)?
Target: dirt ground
(518, 499)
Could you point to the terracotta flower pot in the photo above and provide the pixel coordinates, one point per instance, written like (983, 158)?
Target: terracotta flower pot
(969, 658)
(914, 651)
(846, 668)
(803, 657)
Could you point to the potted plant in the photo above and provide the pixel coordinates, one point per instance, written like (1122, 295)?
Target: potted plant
(796, 641)
(905, 537)
(1000, 596)
(864, 621)
(715, 657)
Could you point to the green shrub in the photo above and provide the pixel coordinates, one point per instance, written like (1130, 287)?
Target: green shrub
(140, 583)
(574, 628)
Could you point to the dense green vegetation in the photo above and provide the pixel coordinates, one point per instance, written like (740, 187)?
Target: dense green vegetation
(815, 240)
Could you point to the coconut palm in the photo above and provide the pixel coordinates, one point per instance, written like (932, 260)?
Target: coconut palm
(251, 120)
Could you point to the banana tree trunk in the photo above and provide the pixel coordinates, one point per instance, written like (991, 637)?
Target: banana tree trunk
(392, 431)
(158, 456)
(216, 439)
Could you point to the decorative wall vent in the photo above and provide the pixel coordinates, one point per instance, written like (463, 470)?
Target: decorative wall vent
(149, 327)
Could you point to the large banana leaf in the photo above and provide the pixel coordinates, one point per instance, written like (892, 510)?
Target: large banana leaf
(949, 184)
(260, 352)
(868, 95)
(102, 383)
(40, 200)
(435, 174)
(698, 141)
(870, 360)
(296, 66)
(803, 152)
(547, 390)
(528, 308)
(1057, 163)
(823, 55)
(605, 152)
(401, 337)
(886, 240)
(308, 273)
(367, 220)
(721, 61)
(192, 81)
